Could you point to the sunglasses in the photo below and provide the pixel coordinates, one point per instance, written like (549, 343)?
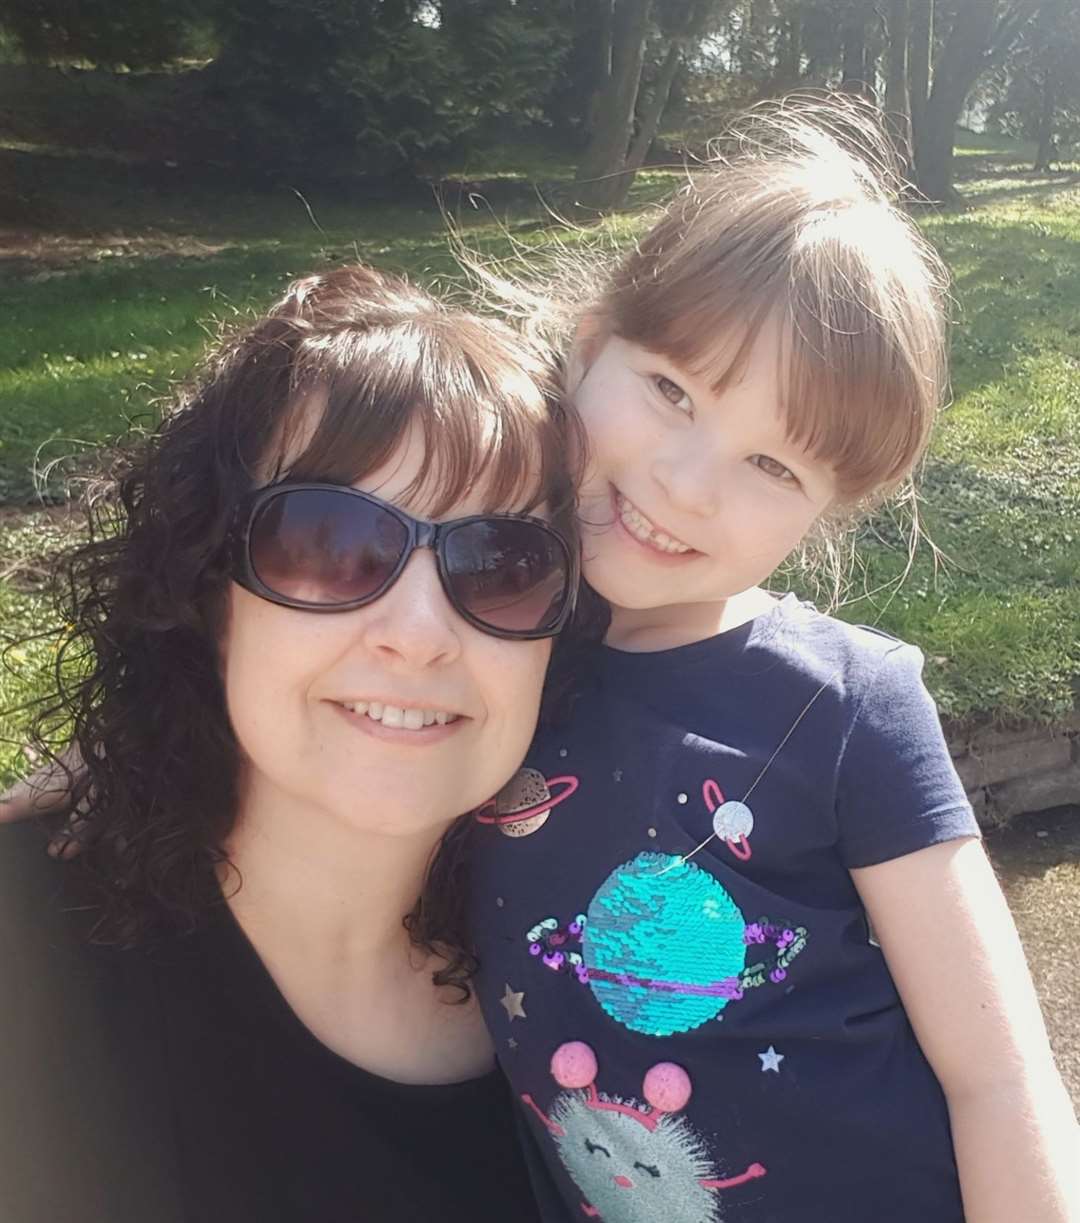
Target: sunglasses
(329, 548)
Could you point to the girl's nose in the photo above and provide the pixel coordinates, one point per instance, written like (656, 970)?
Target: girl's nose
(413, 624)
(690, 479)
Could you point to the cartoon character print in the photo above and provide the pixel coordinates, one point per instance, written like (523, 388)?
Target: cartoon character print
(634, 1163)
(664, 947)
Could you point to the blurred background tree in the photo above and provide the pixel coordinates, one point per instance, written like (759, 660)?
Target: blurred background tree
(384, 88)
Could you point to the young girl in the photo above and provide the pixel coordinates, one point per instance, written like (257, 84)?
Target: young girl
(742, 953)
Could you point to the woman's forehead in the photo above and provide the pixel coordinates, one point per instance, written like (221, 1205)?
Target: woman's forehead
(420, 471)
(418, 481)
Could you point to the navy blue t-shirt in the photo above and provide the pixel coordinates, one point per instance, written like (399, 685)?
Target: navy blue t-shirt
(680, 978)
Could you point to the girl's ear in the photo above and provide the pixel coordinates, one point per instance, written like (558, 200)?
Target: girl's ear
(589, 337)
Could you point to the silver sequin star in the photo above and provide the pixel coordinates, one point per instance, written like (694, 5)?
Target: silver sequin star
(512, 1004)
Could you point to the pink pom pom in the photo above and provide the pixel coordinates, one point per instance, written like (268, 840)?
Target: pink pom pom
(574, 1065)
(667, 1087)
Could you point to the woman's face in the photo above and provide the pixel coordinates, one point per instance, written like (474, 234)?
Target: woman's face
(293, 679)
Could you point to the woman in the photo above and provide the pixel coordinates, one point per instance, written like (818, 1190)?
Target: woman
(287, 684)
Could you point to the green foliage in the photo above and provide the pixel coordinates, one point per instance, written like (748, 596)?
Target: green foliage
(111, 33)
(1036, 93)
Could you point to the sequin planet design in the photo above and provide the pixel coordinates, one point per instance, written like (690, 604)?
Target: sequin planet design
(634, 1163)
(732, 821)
(523, 805)
(663, 946)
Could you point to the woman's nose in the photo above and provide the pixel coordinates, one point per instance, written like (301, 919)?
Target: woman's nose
(413, 623)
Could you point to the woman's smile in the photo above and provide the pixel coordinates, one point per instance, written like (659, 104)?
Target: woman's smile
(409, 724)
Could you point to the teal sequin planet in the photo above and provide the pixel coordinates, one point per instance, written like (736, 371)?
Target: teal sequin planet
(664, 945)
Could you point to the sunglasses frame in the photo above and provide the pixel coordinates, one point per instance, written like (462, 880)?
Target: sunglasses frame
(421, 534)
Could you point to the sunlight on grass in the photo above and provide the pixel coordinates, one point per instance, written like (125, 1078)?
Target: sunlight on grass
(90, 348)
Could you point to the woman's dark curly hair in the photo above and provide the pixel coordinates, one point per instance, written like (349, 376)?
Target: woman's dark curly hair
(139, 680)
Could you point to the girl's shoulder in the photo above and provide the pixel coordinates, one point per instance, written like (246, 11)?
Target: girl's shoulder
(852, 656)
(789, 652)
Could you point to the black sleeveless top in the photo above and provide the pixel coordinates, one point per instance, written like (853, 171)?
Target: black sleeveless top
(177, 1086)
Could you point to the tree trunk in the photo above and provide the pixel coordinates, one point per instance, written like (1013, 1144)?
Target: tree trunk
(653, 112)
(1046, 150)
(920, 41)
(897, 102)
(603, 48)
(789, 54)
(603, 163)
(976, 38)
(690, 29)
(753, 55)
(853, 40)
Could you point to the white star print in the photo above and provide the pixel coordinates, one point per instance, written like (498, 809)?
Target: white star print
(770, 1060)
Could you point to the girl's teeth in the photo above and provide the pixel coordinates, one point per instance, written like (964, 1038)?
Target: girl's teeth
(400, 718)
(641, 528)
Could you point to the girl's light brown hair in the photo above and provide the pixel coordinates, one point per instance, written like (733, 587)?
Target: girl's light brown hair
(794, 219)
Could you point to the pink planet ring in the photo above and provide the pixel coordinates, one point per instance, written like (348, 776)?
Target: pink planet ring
(732, 821)
(487, 814)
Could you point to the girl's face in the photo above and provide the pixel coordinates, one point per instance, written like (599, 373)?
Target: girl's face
(690, 497)
(293, 679)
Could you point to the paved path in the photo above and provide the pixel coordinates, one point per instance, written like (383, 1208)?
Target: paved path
(1038, 861)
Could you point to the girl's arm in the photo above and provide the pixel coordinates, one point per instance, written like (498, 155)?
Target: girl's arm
(954, 953)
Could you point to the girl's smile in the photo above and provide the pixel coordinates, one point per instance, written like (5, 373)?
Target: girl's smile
(646, 532)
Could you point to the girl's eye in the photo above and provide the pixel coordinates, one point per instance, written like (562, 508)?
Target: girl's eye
(673, 393)
(771, 467)
(593, 1147)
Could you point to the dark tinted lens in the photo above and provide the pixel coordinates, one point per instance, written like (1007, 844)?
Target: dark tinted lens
(509, 574)
(325, 547)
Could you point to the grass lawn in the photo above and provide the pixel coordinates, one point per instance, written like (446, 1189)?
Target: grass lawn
(112, 302)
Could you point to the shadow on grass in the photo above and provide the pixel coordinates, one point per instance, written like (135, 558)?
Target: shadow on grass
(1014, 530)
(1019, 289)
(1019, 184)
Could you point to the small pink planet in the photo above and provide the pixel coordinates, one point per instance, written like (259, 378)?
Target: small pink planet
(523, 805)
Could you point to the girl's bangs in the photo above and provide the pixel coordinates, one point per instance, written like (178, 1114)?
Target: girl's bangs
(859, 382)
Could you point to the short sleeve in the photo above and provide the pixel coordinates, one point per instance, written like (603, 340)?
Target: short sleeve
(897, 789)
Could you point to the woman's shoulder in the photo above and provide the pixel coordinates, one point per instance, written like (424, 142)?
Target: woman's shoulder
(78, 1054)
(32, 882)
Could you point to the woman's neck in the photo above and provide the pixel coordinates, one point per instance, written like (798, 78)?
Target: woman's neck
(322, 903)
(313, 882)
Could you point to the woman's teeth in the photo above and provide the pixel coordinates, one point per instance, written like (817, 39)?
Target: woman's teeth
(642, 529)
(400, 718)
